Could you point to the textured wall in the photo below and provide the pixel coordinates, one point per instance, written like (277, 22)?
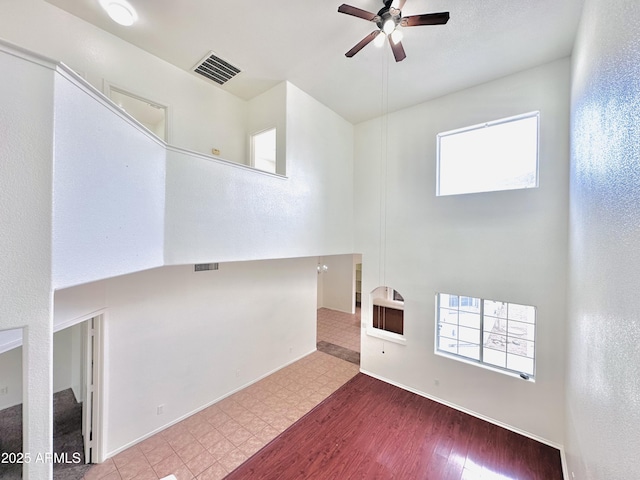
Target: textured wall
(109, 189)
(603, 376)
(26, 126)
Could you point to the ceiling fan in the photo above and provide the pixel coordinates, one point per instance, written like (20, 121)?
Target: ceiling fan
(388, 19)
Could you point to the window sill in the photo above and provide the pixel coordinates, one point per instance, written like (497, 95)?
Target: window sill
(485, 366)
(384, 335)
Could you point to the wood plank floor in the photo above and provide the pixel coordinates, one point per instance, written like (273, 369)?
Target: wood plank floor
(370, 429)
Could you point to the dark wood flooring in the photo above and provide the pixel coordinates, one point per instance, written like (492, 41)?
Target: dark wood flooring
(369, 429)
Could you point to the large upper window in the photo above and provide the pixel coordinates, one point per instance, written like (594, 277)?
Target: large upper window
(499, 155)
(498, 334)
(263, 150)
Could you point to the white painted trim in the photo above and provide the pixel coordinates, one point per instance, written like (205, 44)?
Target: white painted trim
(199, 409)
(103, 400)
(467, 411)
(109, 86)
(99, 412)
(56, 328)
(75, 321)
(10, 345)
(386, 336)
(100, 97)
(565, 467)
(222, 161)
(25, 54)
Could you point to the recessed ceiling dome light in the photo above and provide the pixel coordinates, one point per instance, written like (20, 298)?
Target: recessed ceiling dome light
(120, 11)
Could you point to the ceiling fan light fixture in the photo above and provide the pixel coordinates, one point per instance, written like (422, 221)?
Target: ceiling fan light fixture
(389, 26)
(379, 40)
(120, 11)
(396, 36)
(387, 20)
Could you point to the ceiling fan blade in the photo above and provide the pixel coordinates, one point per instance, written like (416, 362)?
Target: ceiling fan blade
(425, 19)
(357, 12)
(362, 43)
(398, 50)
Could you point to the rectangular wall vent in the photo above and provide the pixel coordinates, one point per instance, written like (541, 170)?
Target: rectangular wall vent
(216, 69)
(203, 267)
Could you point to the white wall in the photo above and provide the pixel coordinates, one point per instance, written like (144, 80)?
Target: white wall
(183, 339)
(73, 305)
(11, 377)
(338, 283)
(320, 160)
(508, 246)
(603, 366)
(26, 121)
(219, 212)
(109, 181)
(203, 116)
(267, 111)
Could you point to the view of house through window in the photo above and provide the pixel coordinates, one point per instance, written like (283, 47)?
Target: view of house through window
(499, 155)
(495, 333)
(388, 310)
(263, 150)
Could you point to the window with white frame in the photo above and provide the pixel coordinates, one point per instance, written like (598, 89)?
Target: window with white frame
(493, 156)
(263, 150)
(494, 333)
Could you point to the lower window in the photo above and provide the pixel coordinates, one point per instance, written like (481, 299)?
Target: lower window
(490, 332)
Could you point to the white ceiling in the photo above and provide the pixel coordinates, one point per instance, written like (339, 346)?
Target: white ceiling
(305, 41)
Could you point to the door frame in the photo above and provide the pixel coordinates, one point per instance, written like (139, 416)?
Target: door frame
(95, 362)
(98, 421)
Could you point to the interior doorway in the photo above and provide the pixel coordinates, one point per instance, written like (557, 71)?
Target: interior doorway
(77, 409)
(76, 401)
(338, 319)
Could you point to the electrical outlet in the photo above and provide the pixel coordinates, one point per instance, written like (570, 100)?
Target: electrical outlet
(4, 390)
(160, 409)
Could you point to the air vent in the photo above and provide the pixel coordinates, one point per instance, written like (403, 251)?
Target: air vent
(216, 69)
(203, 267)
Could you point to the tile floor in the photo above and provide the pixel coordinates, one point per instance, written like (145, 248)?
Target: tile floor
(213, 442)
(339, 328)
